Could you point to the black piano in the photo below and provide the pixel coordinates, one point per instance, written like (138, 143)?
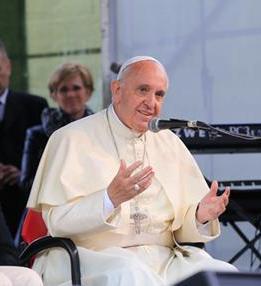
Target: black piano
(245, 198)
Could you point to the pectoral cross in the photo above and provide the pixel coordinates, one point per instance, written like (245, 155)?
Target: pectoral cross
(137, 216)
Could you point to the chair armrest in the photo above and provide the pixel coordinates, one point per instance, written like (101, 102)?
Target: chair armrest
(46, 242)
(196, 244)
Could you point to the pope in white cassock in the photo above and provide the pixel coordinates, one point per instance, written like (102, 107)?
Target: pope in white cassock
(130, 199)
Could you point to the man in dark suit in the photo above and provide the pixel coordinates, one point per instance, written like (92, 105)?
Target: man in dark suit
(18, 111)
(8, 252)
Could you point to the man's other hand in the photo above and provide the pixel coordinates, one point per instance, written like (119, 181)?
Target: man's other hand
(9, 175)
(212, 206)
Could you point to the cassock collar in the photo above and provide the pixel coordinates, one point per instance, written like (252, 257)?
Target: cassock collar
(119, 128)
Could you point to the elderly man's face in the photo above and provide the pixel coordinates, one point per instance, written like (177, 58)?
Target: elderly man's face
(138, 96)
(5, 72)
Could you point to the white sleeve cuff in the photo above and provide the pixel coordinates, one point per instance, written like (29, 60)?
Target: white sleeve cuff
(203, 229)
(108, 206)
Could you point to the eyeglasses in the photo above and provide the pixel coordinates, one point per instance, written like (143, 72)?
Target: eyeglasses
(65, 89)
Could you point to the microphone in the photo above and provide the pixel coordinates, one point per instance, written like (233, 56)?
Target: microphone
(156, 124)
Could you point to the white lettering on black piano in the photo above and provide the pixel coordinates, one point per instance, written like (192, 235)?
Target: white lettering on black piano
(202, 141)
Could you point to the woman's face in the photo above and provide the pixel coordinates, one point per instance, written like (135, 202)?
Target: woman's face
(72, 95)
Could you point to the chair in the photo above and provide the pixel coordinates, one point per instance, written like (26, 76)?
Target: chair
(34, 234)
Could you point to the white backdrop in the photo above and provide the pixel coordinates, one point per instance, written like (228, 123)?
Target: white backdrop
(211, 50)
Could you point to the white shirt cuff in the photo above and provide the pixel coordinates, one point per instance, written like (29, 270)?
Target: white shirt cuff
(108, 206)
(203, 229)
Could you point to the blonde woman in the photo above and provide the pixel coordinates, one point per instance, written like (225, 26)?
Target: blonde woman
(71, 87)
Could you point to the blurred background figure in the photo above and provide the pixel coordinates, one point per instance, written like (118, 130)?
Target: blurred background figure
(10, 271)
(8, 253)
(71, 87)
(18, 111)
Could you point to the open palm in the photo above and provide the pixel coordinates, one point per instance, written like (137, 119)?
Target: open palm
(212, 206)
